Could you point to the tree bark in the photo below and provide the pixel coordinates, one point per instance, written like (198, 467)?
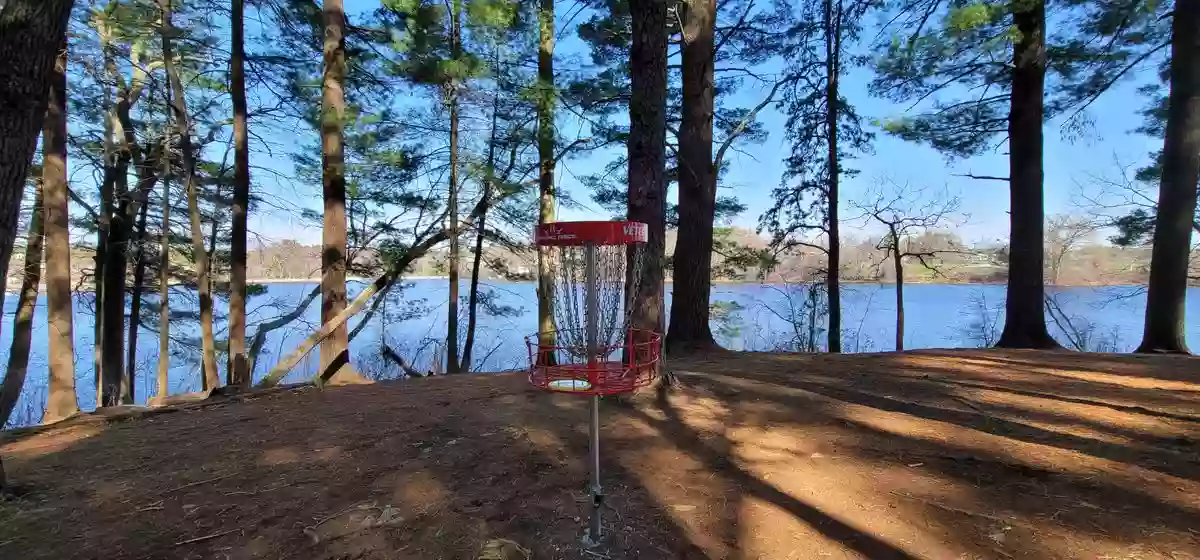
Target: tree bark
(833, 53)
(122, 211)
(547, 337)
(1024, 309)
(32, 33)
(135, 303)
(473, 295)
(112, 309)
(18, 353)
(36, 29)
(898, 261)
(1167, 292)
(164, 285)
(103, 220)
(61, 402)
(647, 156)
(335, 350)
(239, 370)
(203, 281)
(692, 275)
(112, 171)
(452, 361)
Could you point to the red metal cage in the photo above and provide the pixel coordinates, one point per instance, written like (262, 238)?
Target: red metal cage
(627, 366)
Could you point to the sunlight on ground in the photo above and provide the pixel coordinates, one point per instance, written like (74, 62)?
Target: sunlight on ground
(53, 440)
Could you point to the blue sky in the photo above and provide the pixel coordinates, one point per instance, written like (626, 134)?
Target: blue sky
(1069, 162)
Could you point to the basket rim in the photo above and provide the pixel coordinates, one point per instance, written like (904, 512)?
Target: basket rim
(594, 232)
(534, 339)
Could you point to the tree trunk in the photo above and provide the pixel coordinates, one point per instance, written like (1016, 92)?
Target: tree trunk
(1167, 293)
(452, 364)
(647, 155)
(1024, 309)
(121, 214)
(547, 337)
(260, 333)
(113, 170)
(833, 53)
(135, 302)
(164, 285)
(898, 261)
(32, 33)
(692, 285)
(60, 399)
(473, 294)
(203, 282)
(239, 370)
(112, 310)
(103, 219)
(18, 354)
(335, 350)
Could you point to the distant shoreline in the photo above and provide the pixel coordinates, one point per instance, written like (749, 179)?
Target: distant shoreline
(714, 282)
(16, 290)
(316, 280)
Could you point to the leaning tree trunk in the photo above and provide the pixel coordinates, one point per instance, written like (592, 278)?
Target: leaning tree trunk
(1024, 309)
(547, 337)
(239, 369)
(647, 146)
(266, 327)
(61, 402)
(18, 354)
(480, 228)
(380, 285)
(335, 349)
(203, 281)
(1167, 293)
(833, 53)
(473, 295)
(692, 273)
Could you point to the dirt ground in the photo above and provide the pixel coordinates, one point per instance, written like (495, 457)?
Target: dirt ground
(929, 454)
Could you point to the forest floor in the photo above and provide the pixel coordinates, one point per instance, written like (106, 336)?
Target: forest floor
(927, 454)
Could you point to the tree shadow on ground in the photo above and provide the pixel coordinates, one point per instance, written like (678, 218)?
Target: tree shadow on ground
(675, 429)
(1074, 499)
(754, 457)
(1145, 368)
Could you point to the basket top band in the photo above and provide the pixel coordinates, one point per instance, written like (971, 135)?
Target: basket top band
(596, 233)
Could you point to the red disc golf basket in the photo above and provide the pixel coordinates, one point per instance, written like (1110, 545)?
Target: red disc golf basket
(593, 350)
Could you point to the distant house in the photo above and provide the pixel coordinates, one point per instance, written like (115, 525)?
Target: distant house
(976, 257)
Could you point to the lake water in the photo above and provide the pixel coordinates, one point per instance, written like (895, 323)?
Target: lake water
(751, 317)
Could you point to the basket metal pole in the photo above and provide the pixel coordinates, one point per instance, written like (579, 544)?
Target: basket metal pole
(592, 318)
(594, 531)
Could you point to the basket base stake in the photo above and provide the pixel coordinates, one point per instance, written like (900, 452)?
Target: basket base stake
(594, 532)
